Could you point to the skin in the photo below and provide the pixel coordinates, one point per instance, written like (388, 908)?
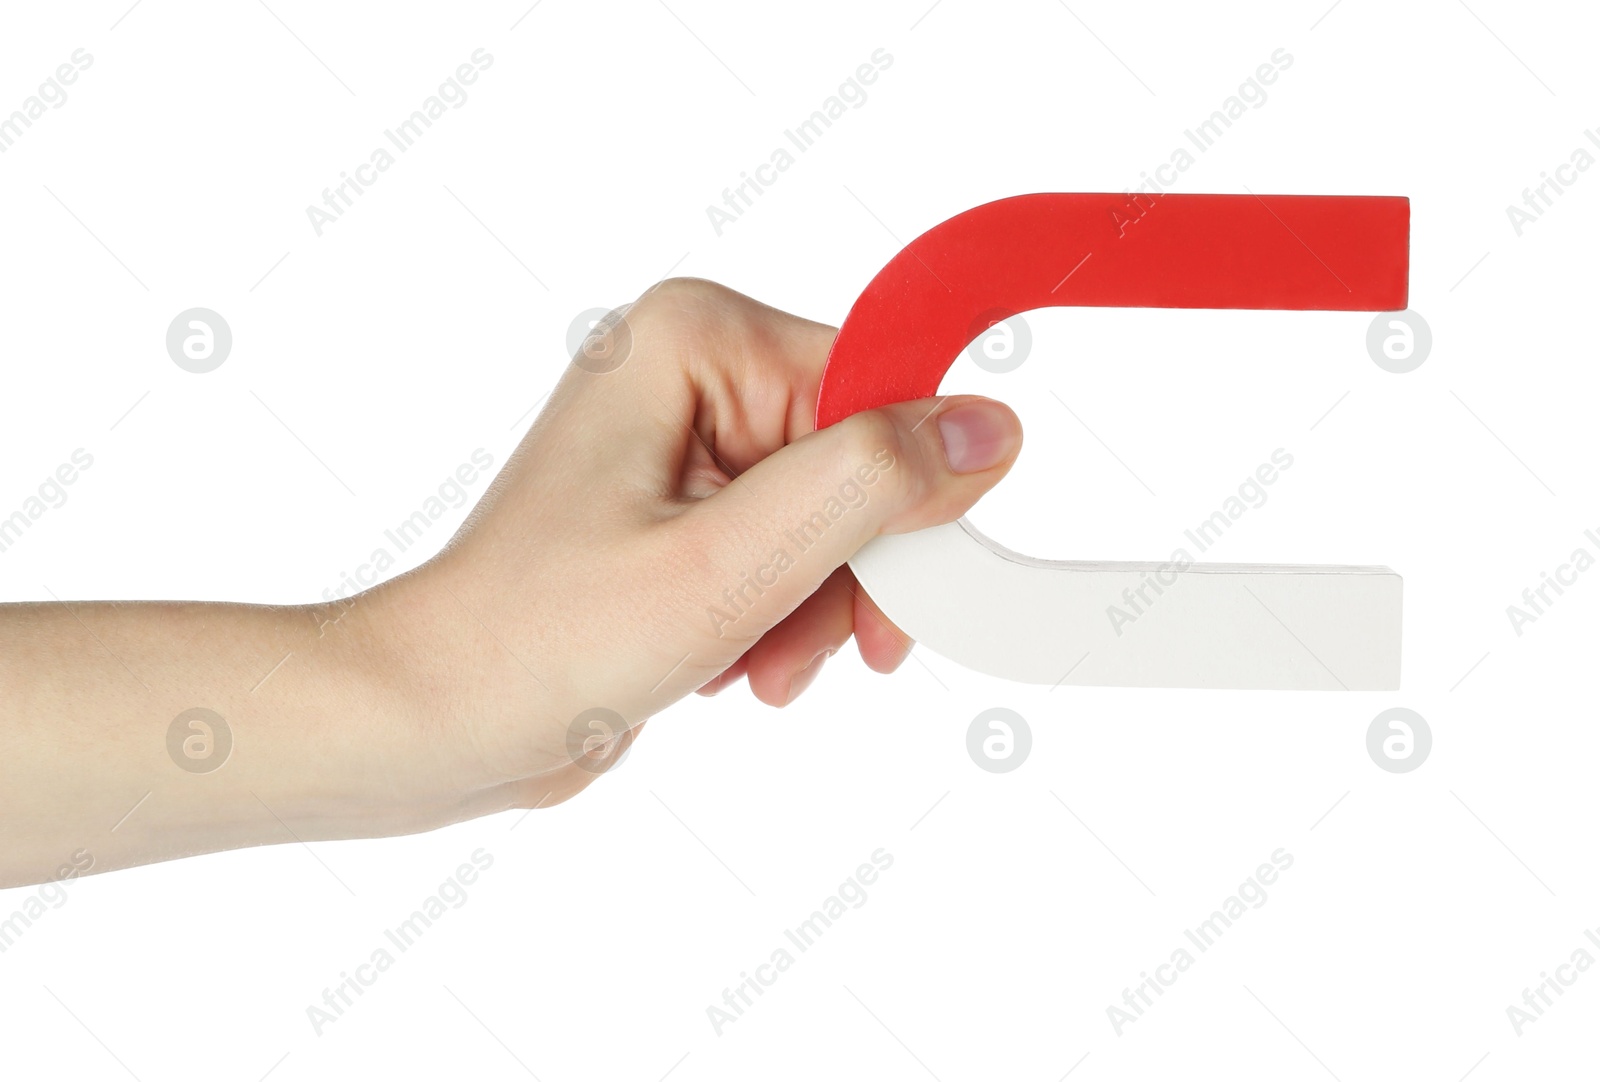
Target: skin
(609, 566)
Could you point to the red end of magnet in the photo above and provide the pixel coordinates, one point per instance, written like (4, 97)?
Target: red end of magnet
(1302, 252)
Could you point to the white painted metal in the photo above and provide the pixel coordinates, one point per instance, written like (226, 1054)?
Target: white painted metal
(1137, 624)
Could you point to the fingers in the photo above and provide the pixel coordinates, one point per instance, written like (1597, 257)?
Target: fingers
(766, 543)
(696, 383)
(789, 657)
(727, 678)
(744, 375)
(752, 339)
(780, 664)
(883, 646)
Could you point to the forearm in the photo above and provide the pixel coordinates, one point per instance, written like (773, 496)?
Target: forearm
(329, 711)
(667, 526)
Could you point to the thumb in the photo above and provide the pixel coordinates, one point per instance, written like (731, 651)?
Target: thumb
(771, 538)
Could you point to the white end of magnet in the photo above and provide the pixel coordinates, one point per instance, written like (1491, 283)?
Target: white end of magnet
(1128, 624)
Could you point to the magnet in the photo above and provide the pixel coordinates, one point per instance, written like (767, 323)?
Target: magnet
(999, 612)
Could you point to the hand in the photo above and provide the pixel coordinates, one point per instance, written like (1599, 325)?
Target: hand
(674, 524)
(671, 525)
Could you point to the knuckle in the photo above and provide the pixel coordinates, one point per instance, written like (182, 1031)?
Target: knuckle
(676, 312)
(683, 295)
(868, 432)
(873, 442)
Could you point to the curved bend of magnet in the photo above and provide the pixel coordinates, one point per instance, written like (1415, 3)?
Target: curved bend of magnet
(1040, 621)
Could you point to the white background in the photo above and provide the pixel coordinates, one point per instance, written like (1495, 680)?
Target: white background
(370, 361)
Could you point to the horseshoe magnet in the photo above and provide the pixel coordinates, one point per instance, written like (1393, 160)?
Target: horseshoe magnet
(1045, 621)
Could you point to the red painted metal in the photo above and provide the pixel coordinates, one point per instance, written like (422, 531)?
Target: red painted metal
(1302, 252)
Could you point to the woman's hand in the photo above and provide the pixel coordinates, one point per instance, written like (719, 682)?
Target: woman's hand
(673, 523)
(670, 523)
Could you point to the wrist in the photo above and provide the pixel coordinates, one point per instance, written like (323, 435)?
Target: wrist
(405, 767)
(461, 680)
